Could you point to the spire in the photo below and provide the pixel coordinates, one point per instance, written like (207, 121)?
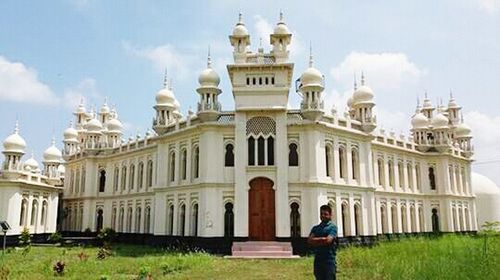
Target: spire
(425, 94)
(16, 127)
(362, 78)
(171, 84)
(281, 16)
(311, 61)
(165, 79)
(240, 18)
(451, 95)
(355, 82)
(105, 101)
(53, 141)
(209, 59)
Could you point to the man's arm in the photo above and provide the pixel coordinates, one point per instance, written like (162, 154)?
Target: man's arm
(319, 241)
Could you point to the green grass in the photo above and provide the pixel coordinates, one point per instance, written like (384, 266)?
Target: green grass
(449, 257)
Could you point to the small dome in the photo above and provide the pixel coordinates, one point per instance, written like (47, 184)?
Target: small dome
(209, 78)
(61, 169)
(104, 109)
(419, 121)
(349, 102)
(14, 143)
(487, 198)
(31, 164)
(462, 130)
(427, 103)
(363, 94)
(165, 97)
(70, 133)
(439, 121)
(94, 125)
(311, 77)
(114, 125)
(81, 108)
(52, 154)
(240, 30)
(281, 29)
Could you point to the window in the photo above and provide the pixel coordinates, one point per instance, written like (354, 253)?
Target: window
(150, 174)
(129, 219)
(417, 175)
(342, 162)
(121, 219)
(346, 222)
(147, 219)
(432, 179)
(329, 161)
(100, 219)
(102, 180)
(394, 216)
(229, 155)
(113, 218)
(293, 155)
(34, 212)
(182, 219)
(117, 178)
(355, 164)
(196, 162)
(383, 219)
(228, 220)
(409, 173)
(435, 220)
(184, 164)
(194, 220)
(170, 221)
(294, 220)
(132, 177)
(138, 220)
(270, 150)
(358, 222)
(77, 183)
(44, 212)
(260, 148)
(381, 172)
(404, 222)
(172, 166)
(391, 173)
(251, 151)
(83, 180)
(140, 175)
(124, 177)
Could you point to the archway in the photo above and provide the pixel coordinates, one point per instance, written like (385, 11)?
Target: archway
(99, 220)
(261, 210)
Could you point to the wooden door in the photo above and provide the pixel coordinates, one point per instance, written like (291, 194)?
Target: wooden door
(261, 210)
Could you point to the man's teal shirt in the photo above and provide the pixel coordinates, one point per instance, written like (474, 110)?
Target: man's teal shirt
(325, 254)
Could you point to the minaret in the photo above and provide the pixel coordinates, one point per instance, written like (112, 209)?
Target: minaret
(51, 160)
(240, 40)
(362, 106)
(70, 141)
(165, 107)
(80, 115)
(427, 108)
(209, 106)
(104, 112)
(453, 110)
(311, 86)
(114, 130)
(13, 149)
(280, 40)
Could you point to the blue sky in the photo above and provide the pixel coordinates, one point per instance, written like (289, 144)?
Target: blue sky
(54, 52)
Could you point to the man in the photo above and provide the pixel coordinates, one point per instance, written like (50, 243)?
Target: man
(322, 237)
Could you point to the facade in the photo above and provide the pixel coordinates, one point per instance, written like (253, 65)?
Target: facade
(29, 196)
(263, 170)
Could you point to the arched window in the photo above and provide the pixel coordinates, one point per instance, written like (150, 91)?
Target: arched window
(129, 219)
(294, 220)
(194, 220)
(147, 219)
(409, 173)
(149, 179)
(328, 161)
(358, 219)
(172, 166)
(383, 218)
(132, 177)
(170, 221)
(453, 187)
(113, 218)
(124, 177)
(77, 181)
(342, 162)
(99, 220)
(121, 219)
(261, 142)
(421, 219)
(138, 220)
(404, 222)
(394, 217)
(140, 175)
(435, 220)
(432, 178)
(83, 180)
(467, 221)
(346, 220)
(334, 212)
(413, 220)
(184, 164)
(355, 164)
(293, 155)
(45, 206)
(417, 176)
(196, 162)
(381, 172)
(117, 178)
(182, 219)
(34, 212)
(102, 180)
(270, 150)
(22, 218)
(229, 155)
(391, 173)
(228, 220)
(401, 174)
(251, 151)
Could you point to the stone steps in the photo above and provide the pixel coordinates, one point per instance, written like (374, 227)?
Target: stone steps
(262, 250)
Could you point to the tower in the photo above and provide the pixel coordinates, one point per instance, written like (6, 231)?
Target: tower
(209, 106)
(362, 106)
(13, 149)
(51, 160)
(70, 140)
(240, 40)
(165, 107)
(280, 40)
(311, 85)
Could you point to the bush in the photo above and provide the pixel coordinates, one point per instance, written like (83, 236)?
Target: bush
(107, 236)
(59, 268)
(144, 273)
(25, 237)
(55, 237)
(103, 253)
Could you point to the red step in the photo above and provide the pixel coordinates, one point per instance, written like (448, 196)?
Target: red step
(262, 249)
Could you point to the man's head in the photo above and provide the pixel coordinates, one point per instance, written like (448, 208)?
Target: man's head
(325, 213)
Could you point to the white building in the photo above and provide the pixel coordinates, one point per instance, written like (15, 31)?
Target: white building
(29, 196)
(262, 171)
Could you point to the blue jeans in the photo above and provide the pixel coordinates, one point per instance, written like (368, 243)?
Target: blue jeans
(324, 271)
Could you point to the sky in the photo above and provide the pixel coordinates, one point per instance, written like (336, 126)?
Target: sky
(54, 53)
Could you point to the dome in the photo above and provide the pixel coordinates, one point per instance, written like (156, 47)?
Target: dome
(419, 121)
(463, 130)
(52, 154)
(94, 125)
(165, 96)
(281, 29)
(70, 133)
(311, 77)
(14, 143)
(240, 30)
(31, 164)
(114, 125)
(487, 198)
(439, 121)
(427, 103)
(209, 78)
(104, 109)
(363, 94)
(349, 102)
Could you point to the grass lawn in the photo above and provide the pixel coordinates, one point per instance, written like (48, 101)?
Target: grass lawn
(449, 257)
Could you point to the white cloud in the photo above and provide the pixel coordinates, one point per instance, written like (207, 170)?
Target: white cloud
(389, 72)
(489, 6)
(19, 83)
(164, 56)
(85, 90)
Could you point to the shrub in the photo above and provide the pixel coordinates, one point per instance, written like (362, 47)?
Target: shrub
(144, 273)
(25, 237)
(59, 268)
(103, 253)
(107, 236)
(55, 237)
(174, 265)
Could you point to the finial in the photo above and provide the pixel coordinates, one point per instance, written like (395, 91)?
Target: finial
(209, 59)
(240, 17)
(425, 95)
(16, 127)
(260, 42)
(362, 78)
(281, 15)
(355, 82)
(311, 61)
(105, 100)
(165, 79)
(171, 84)
(451, 95)
(53, 141)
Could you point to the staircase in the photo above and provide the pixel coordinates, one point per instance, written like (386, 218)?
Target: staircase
(262, 250)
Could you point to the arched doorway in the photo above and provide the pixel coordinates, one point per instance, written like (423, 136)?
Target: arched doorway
(99, 220)
(261, 210)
